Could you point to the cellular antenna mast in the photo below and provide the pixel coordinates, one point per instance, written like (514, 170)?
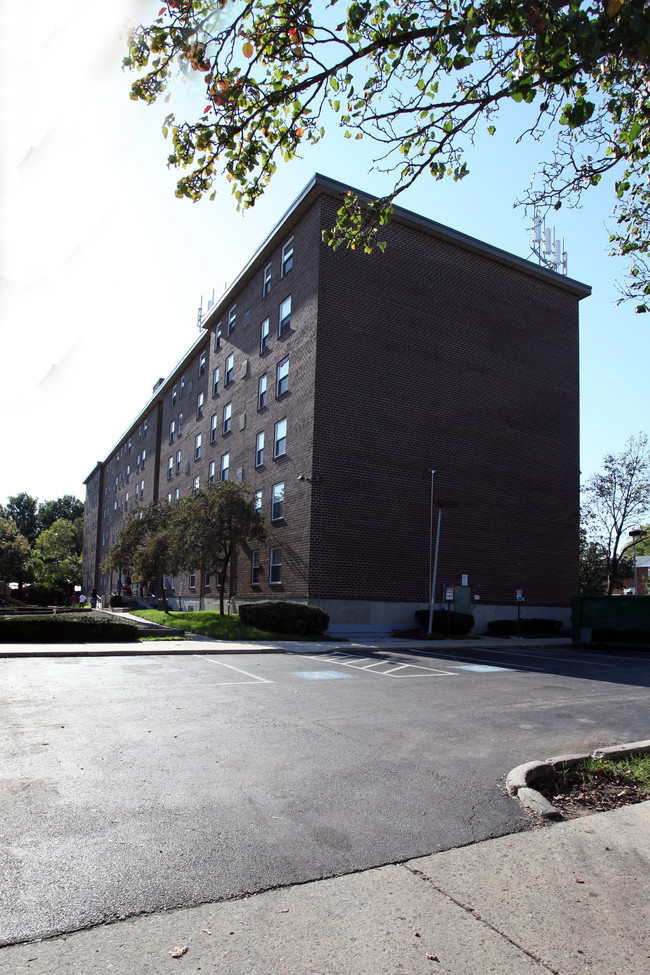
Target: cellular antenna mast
(547, 248)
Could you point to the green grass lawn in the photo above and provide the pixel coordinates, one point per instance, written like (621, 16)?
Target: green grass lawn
(226, 627)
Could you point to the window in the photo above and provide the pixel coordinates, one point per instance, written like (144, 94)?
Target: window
(261, 393)
(138, 463)
(172, 430)
(247, 317)
(181, 389)
(180, 424)
(192, 579)
(225, 466)
(258, 502)
(266, 287)
(206, 579)
(285, 316)
(169, 497)
(174, 392)
(178, 461)
(215, 381)
(177, 494)
(255, 568)
(199, 406)
(275, 574)
(282, 381)
(264, 342)
(280, 441)
(170, 468)
(144, 457)
(197, 446)
(217, 337)
(277, 502)
(213, 428)
(141, 490)
(240, 474)
(230, 368)
(259, 450)
(227, 416)
(202, 360)
(232, 319)
(211, 472)
(287, 257)
(197, 483)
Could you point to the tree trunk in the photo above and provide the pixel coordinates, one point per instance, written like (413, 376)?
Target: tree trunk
(162, 594)
(222, 585)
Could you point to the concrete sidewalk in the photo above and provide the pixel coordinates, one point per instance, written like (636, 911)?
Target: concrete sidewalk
(206, 645)
(569, 899)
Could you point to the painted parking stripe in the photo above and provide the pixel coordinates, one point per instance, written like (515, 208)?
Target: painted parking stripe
(220, 663)
(401, 670)
(323, 675)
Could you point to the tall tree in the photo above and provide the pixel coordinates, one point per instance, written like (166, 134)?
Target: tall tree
(145, 546)
(56, 559)
(615, 501)
(418, 77)
(22, 509)
(14, 552)
(212, 523)
(67, 507)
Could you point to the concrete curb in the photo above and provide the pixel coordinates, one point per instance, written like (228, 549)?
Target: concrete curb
(520, 779)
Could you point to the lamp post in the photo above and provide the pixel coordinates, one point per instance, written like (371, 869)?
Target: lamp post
(432, 576)
(634, 534)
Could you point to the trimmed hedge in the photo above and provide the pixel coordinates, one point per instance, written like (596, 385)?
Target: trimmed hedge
(461, 623)
(56, 629)
(527, 626)
(279, 616)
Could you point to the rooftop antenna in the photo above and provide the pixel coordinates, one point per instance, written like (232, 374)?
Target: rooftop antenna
(547, 248)
(199, 314)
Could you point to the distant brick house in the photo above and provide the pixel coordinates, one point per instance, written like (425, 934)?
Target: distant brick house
(333, 382)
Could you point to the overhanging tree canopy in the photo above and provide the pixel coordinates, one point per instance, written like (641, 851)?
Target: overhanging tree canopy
(417, 77)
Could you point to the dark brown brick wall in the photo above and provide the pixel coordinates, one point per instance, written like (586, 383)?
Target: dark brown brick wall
(432, 356)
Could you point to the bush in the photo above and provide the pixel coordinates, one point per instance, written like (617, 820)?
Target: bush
(461, 623)
(527, 627)
(115, 600)
(55, 629)
(279, 616)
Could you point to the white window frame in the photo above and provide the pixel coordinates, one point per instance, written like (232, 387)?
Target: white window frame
(287, 257)
(197, 447)
(217, 337)
(225, 467)
(266, 283)
(280, 438)
(261, 392)
(277, 502)
(264, 334)
(215, 381)
(255, 568)
(192, 579)
(211, 472)
(214, 423)
(275, 566)
(203, 358)
(227, 418)
(172, 431)
(199, 406)
(259, 449)
(258, 502)
(170, 468)
(232, 319)
(229, 370)
(178, 461)
(284, 316)
(282, 377)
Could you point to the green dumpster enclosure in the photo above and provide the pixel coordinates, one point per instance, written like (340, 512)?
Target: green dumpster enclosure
(623, 620)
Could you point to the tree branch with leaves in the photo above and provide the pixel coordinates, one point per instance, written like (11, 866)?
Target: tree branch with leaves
(417, 77)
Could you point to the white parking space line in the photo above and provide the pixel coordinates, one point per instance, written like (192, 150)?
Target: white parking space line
(556, 656)
(220, 663)
(414, 670)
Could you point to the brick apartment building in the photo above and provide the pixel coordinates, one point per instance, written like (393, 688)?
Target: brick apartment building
(333, 382)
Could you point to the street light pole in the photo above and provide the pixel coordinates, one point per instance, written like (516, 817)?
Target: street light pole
(432, 576)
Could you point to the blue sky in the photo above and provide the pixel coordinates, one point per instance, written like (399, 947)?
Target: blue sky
(103, 269)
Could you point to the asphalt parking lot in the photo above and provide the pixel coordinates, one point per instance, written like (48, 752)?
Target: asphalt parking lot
(132, 785)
